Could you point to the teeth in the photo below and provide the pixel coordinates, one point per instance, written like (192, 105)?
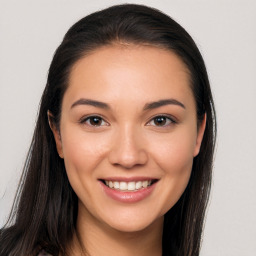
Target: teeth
(144, 183)
(128, 186)
(116, 184)
(131, 185)
(123, 186)
(110, 184)
(138, 184)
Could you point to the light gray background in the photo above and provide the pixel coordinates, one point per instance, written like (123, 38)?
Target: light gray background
(225, 32)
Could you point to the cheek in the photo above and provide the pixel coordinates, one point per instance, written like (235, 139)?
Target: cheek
(175, 152)
(82, 154)
(174, 156)
(176, 160)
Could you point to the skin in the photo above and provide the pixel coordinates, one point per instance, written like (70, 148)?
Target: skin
(127, 142)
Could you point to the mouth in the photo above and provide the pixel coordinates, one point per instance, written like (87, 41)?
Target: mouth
(129, 186)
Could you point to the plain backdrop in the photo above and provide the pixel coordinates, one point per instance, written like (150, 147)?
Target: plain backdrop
(225, 32)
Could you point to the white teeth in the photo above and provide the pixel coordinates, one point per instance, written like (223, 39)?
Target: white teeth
(116, 184)
(110, 184)
(144, 183)
(131, 185)
(128, 186)
(123, 186)
(138, 184)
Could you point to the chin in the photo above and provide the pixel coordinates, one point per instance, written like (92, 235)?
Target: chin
(133, 224)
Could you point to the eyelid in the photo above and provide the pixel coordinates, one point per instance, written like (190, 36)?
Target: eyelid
(87, 117)
(168, 116)
(84, 119)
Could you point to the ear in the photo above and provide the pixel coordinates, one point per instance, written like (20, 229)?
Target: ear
(56, 133)
(200, 135)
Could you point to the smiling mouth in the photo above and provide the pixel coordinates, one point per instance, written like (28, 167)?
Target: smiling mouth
(130, 186)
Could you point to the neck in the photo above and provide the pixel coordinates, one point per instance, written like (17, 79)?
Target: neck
(96, 239)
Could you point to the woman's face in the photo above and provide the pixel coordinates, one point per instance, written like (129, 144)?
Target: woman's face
(128, 135)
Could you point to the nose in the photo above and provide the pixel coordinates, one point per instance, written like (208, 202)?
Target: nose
(128, 149)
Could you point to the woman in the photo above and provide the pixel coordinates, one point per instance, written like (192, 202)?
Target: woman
(121, 158)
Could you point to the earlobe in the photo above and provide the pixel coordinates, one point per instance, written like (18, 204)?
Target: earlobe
(56, 133)
(200, 135)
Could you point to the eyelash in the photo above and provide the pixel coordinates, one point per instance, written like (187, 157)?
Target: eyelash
(90, 118)
(170, 120)
(166, 118)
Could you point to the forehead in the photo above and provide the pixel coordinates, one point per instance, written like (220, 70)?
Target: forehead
(124, 71)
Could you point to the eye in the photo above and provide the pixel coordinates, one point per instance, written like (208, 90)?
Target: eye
(94, 121)
(161, 121)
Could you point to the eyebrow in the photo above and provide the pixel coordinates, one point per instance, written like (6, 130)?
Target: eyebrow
(90, 102)
(148, 106)
(160, 103)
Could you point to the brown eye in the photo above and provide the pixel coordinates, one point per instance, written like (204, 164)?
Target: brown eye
(161, 121)
(94, 121)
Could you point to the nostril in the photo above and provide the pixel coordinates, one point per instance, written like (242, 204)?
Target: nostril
(128, 151)
(128, 162)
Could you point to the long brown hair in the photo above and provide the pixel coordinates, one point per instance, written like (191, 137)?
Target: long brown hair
(45, 210)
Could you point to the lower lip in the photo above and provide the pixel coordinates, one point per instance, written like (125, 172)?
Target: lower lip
(128, 197)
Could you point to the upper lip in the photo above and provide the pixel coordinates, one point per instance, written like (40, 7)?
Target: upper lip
(127, 179)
